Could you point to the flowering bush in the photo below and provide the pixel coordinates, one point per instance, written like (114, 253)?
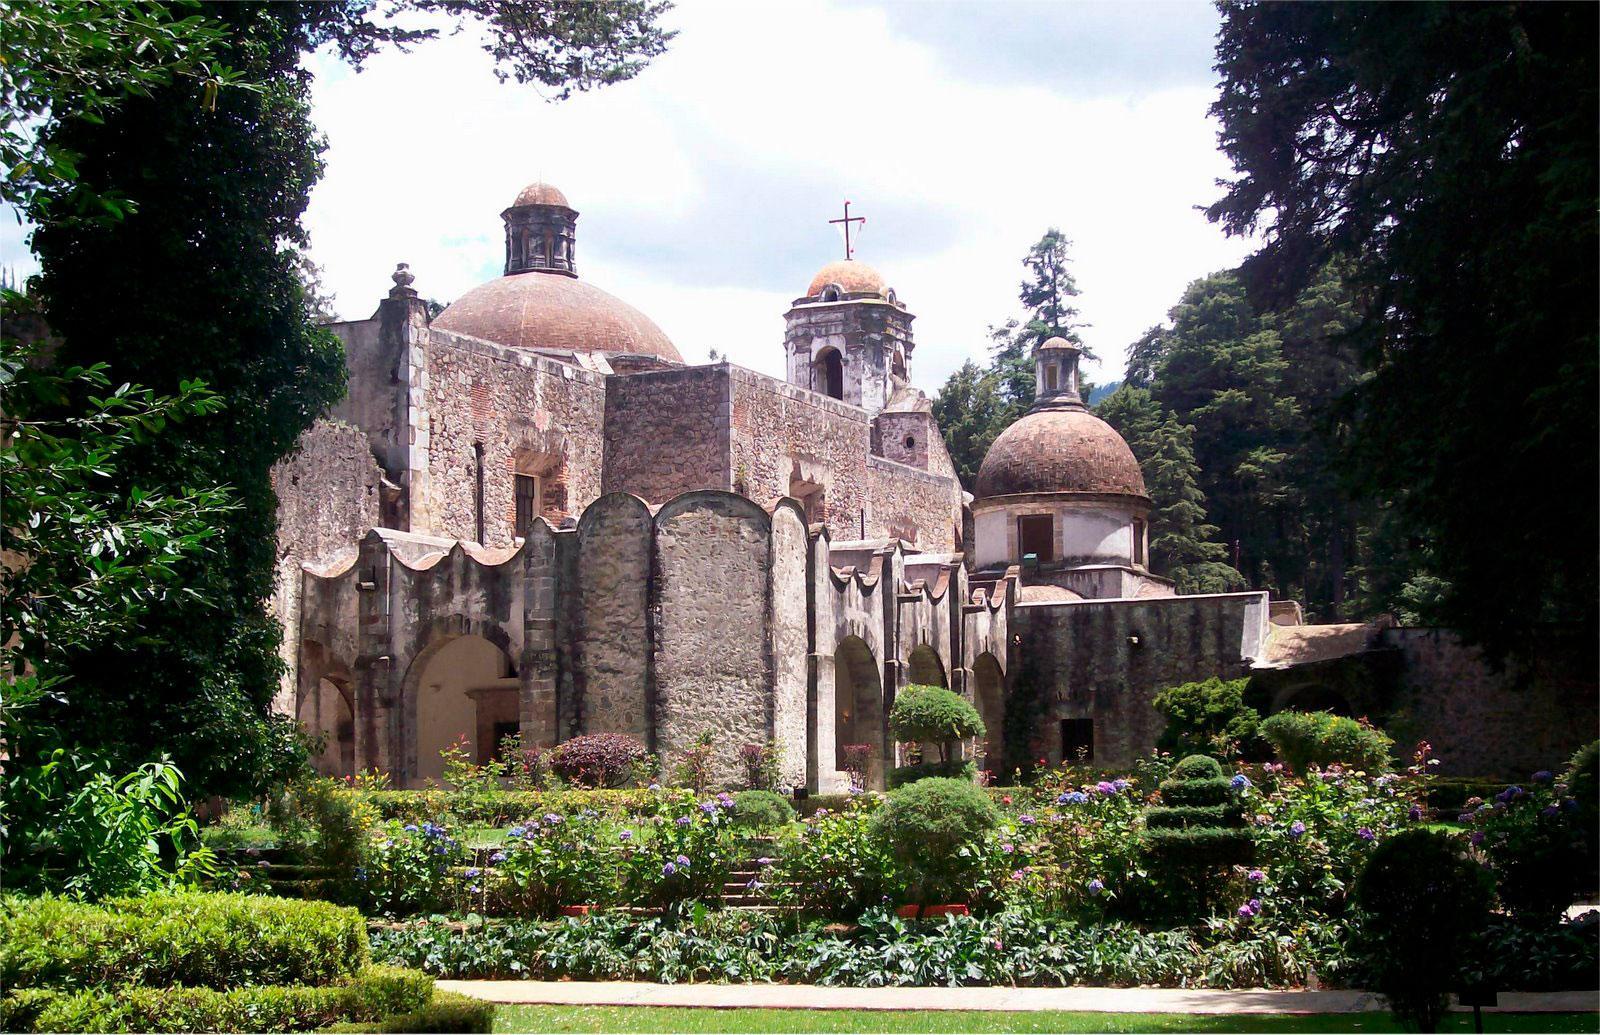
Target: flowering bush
(760, 763)
(1534, 844)
(408, 870)
(1307, 740)
(597, 760)
(685, 854)
(696, 765)
(833, 865)
(554, 860)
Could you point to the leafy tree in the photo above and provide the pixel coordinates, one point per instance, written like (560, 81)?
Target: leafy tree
(1209, 717)
(965, 409)
(200, 280)
(934, 715)
(1182, 545)
(1448, 151)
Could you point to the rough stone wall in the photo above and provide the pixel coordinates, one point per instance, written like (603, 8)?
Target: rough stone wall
(1105, 660)
(518, 405)
(328, 496)
(790, 641)
(902, 437)
(919, 507)
(866, 333)
(1509, 724)
(374, 401)
(666, 432)
(611, 619)
(712, 651)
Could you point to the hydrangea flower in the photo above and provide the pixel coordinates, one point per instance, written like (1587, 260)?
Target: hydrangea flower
(1544, 776)
(708, 807)
(683, 862)
(473, 871)
(1096, 886)
(1366, 834)
(1120, 784)
(1072, 798)
(668, 870)
(683, 821)
(515, 832)
(1256, 876)
(1106, 787)
(410, 828)
(1008, 847)
(1414, 813)
(1297, 829)
(1255, 905)
(1476, 837)
(1239, 781)
(1025, 819)
(1245, 912)
(552, 818)
(625, 835)
(497, 857)
(763, 861)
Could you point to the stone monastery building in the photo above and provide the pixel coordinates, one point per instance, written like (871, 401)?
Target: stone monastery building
(530, 515)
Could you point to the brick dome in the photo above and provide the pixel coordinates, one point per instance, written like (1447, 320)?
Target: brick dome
(540, 194)
(852, 277)
(540, 310)
(1060, 449)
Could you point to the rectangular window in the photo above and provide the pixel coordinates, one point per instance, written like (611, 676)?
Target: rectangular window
(527, 487)
(1036, 534)
(1138, 543)
(477, 489)
(1077, 740)
(1050, 378)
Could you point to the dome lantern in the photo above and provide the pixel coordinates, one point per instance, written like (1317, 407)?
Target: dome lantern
(541, 232)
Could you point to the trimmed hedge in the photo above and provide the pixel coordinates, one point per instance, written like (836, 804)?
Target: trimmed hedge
(1195, 792)
(1307, 740)
(503, 808)
(207, 940)
(762, 810)
(373, 995)
(1201, 846)
(448, 1012)
(1194, 816)
(954, 769)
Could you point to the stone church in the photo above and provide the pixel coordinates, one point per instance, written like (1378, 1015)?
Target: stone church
(531, 516)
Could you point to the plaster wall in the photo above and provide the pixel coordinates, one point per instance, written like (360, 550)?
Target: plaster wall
(790, 597)
(1085, 533)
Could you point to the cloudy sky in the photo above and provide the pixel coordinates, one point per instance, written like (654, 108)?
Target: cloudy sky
(960, 130)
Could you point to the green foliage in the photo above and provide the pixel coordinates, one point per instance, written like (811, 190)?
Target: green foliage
(934, 828)
(967, 410)
(375, 993)
(1195, 832)
(545, 864)
(500, 808)
(760, 761)
(1536, 847)
(1201, 793)
(1423, 902)
(1307, 740)
(1182, 816)
(762, 810)
(410, 869)
(1402, 138)
(445, 1012)
(203, 940)
(1195, 767)
(835, 865)
(697, 763)
(934, 714)
(1209, 716)
(954, 769)
(325, 822)
(1182, 545)
(1583, 784)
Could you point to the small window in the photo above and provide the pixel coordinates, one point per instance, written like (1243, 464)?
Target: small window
(911, 442)
(527, 503)
(1050, 379)
(1138, 543)
(1036, 534)
(1077, 740)
(831, 293)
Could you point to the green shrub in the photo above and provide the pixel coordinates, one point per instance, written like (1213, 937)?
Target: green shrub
(1196, 767)
(1535, 849)
(955, 769)
(1201, 846)
(1196, 831)
(1208, 791)
(1308, 740)
(811, 805)
(1583, 785)
(597, 759)
(502, 808)
(211, 940)
(932, 714)
(1210, 717)
(448, 1012)
(329, 824)
(935, 828)
(1194, 816)
(373, 994)
(836, 865)
(762, 810)
(1423, 902)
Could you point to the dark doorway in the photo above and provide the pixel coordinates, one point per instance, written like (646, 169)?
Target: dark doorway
(1036, 534)
(831, 370)
(1077, 740)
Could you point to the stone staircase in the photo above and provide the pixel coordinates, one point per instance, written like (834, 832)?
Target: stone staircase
(747, 886)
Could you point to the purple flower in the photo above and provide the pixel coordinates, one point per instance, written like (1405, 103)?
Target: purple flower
(410, 828)
(552, 818)
(1245, 912)
(1366, 834)
(753, 884)
(683, 862)
(1016, 874)
(1239, 782)
(763, 861)
(654, 787)
(1072, 798)
(1025, 819)
(668, 870)
(1414, 813)
(1008, 847)
(473, 871)
(1106, 787)
(515, 832)
(1551, 810)
(1297, 829)
(1256, 876)
(1120, 785)
(1465, 817)
(1476, 837)
(497, 857)
(1096, 886)
(683, 821)
(626, 835)
(1544, 776)
(1255, 905)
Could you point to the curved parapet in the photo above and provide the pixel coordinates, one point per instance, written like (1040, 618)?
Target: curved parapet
(610, 621)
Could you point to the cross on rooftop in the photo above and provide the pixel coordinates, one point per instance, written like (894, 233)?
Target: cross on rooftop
(849, 252)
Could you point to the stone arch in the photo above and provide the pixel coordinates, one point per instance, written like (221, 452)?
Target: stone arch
(463, 684)
(858, 707)
(827, 373)
(924, 668)
(325, 705)
(539, 479)
(988, 693)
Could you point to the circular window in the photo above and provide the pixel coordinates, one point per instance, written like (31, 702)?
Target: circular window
(910, 442)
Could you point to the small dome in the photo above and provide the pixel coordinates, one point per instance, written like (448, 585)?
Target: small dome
(539, 311)
(540, 194)
(1059, 342)
(1060, 449)
(852, 277)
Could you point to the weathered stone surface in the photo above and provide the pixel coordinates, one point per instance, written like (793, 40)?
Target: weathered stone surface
(611, 610)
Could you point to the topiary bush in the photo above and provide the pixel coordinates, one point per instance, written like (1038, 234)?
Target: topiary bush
(762, 810)
(1306, 740)
(598, 759)
(932, 714)
(1210, 718)
(1423, 903)
(210, 940)
(954, 769)
(935, 828)
(1197, 830)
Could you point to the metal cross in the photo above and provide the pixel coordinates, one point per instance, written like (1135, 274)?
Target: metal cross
(849, 252)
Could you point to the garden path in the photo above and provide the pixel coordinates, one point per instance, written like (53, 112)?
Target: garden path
(1102, 1000)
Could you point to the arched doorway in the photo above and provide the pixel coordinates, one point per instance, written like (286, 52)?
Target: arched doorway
(466, 690)
(925, 668)
(988, 692)
(329, 710)
(827, 375)
(858, 710)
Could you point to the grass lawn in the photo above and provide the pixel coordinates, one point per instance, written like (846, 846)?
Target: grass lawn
(676, 1019)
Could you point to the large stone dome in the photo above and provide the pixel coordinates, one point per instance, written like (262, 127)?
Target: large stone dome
(540, 310)
(1055, 449)
(852, 277)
